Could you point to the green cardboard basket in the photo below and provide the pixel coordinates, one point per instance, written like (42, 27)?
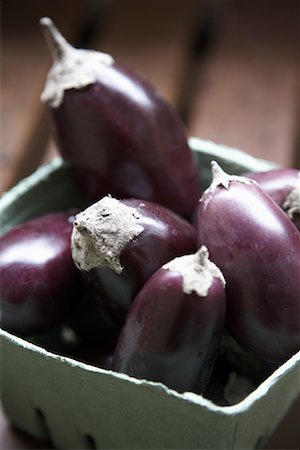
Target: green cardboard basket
(80, 406)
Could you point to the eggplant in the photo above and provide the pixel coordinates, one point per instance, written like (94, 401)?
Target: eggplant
(121, 243)
(118, 132)
(39, 281)
(257, 249)
(244, 364)
(283, 185)
(92, 325)
(93, 355)
(173, 329)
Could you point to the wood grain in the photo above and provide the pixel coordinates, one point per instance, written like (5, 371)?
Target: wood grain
(244, 93)
(25, 61)
(152, 37)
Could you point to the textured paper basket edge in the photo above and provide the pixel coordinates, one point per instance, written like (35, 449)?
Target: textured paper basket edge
(262, 390)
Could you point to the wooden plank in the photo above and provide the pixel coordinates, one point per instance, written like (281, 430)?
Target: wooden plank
(25, 61)
(244, 94)
(153, 37)
(297, 143)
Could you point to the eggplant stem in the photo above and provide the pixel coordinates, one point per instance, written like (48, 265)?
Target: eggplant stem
(202, 255)
(77, 224)
(217, 170)
(56, 42)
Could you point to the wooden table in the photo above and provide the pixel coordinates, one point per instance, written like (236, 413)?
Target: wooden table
(230, 68)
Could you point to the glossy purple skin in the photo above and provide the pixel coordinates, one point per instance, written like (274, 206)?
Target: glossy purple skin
(278, 183)
(123, 138)
(257, 249)
(165, 236)
(170, 336)
(39, 281)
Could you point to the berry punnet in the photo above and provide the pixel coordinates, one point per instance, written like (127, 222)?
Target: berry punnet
(117, 131)
(121, 243)
(283, 185)
(257, 248)
(173, 329)
(39, 281)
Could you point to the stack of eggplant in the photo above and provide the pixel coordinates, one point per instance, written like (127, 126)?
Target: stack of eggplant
(155, 271)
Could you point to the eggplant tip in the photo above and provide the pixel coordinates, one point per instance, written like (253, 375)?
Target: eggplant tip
(216, 170)
(222, 178)
(77, 224)
(46, 22)
(57, 44)
(219, 176)
(203, 254)
(197, 270)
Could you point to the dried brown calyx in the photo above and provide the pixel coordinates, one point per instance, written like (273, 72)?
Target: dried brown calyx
(292, 202)
(220, 177)
(197, 271)
(101, 233)
(72, 68)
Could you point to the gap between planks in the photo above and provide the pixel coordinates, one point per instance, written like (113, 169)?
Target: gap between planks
(230, 93)
(244, 94)
(25, 62)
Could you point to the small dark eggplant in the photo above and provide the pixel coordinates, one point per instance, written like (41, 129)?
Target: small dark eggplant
(92, 325)
(39, 281)
(121, 243)
(173, 330)
(257, 249)
(243, 363)
(283, 185)
(94, 356)
(119, 133)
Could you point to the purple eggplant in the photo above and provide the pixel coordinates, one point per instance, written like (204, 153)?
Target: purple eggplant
(283, 185)
(93, 354)
(173, 329)
(121, 243)
(39, 281)
(257, 249)
(92, 325)
(119, 133)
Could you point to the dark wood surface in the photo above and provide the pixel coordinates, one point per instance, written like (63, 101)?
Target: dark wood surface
(230, 68)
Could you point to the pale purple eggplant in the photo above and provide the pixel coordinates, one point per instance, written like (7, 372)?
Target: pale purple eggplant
(257, 249)
(283, 185)
(118, 132)
(173, 329)
(40, 284)
(121, 243)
